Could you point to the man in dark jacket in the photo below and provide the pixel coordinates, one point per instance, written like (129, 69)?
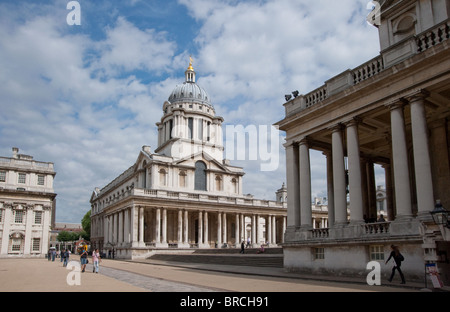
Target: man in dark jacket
(398, 258)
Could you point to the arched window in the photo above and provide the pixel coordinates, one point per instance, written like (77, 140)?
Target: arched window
(200, 176)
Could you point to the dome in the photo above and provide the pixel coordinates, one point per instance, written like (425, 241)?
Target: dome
(189, 92)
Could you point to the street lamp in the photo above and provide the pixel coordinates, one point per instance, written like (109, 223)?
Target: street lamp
(440, 215)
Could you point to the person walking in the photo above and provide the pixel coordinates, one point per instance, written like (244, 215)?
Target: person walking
(66, 257)
(83, 259)
(95, 260)
(398, 258)
(242, 248)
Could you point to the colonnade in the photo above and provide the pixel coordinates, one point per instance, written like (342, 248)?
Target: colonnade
(397, 180)
(140, 226)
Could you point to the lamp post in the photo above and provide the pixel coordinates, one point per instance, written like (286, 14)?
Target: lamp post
(440, 215)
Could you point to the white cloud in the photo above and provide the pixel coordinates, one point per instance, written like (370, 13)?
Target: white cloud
(80, 102)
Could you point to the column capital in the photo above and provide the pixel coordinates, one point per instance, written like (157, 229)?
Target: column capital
(418, 95)
(304, 141)
(354, 121)
(396, 103)
(336, 128)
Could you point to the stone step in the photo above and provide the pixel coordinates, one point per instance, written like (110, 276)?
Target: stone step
(263, 260)
(214, 251)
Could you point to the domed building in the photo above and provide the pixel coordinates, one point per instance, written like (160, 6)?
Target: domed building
(184, 194)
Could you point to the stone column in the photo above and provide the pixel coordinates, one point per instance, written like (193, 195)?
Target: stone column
(180, 228)
(293, 186)
(354, 172)
(200, 228)
(120, 234)
(400, 162)
(158, 226)
(164, 226)
(141, 227)
(205, 230)
(258, 229)
(46, 227)
(330, 188)
(219, 229)
(440, 159)
(242, 224)
(186, 228)
(422, 164)
(269, 229)
(236, 232)
(274, 230)
(29, 209)
(127, 225)
(224, 223)
(115, 232)
(134, 226)
(254, 243)
(389, 193)
(305, 186)
(339, 184)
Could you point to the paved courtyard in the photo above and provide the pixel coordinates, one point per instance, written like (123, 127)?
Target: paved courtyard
(41, 275)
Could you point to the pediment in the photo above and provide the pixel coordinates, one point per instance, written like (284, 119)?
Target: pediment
(211, 163)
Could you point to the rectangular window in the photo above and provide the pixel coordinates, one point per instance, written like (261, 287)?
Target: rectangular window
(2, 176)
(377, 252)
(36, 244)
(319, 253)
(41, 180)
(200, 129)
(16, 244)
(1, 215)
(22, 178)
(18, 216)
(38, 217)
(191, 128)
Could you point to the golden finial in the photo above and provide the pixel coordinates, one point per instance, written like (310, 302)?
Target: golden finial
(190, 64)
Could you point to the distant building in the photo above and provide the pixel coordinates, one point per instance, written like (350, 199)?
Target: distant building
(183, 195)
(393, 111)
(27, 205)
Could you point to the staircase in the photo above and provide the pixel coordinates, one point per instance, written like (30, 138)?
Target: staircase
(272, 257)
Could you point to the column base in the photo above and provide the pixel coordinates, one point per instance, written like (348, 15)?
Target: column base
(161, 245)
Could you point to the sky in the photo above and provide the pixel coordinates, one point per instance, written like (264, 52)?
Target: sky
(87, 97)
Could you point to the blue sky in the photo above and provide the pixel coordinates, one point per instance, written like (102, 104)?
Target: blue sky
(87, 97)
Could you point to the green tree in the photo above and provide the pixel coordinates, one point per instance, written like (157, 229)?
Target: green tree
(65, 236)
(86, 224)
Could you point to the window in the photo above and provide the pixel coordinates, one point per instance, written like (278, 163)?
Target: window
(200, 176)
(1, 215)
(200, 129)
(162, 177)
(182, 178)
(191, 128)
(18, 216)
(36, 244)
(319, 253)
(41, 180)
(2, 176)
(38, 217)
(235, 185)
(16, 244)
(22, 178)
(377, 252)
